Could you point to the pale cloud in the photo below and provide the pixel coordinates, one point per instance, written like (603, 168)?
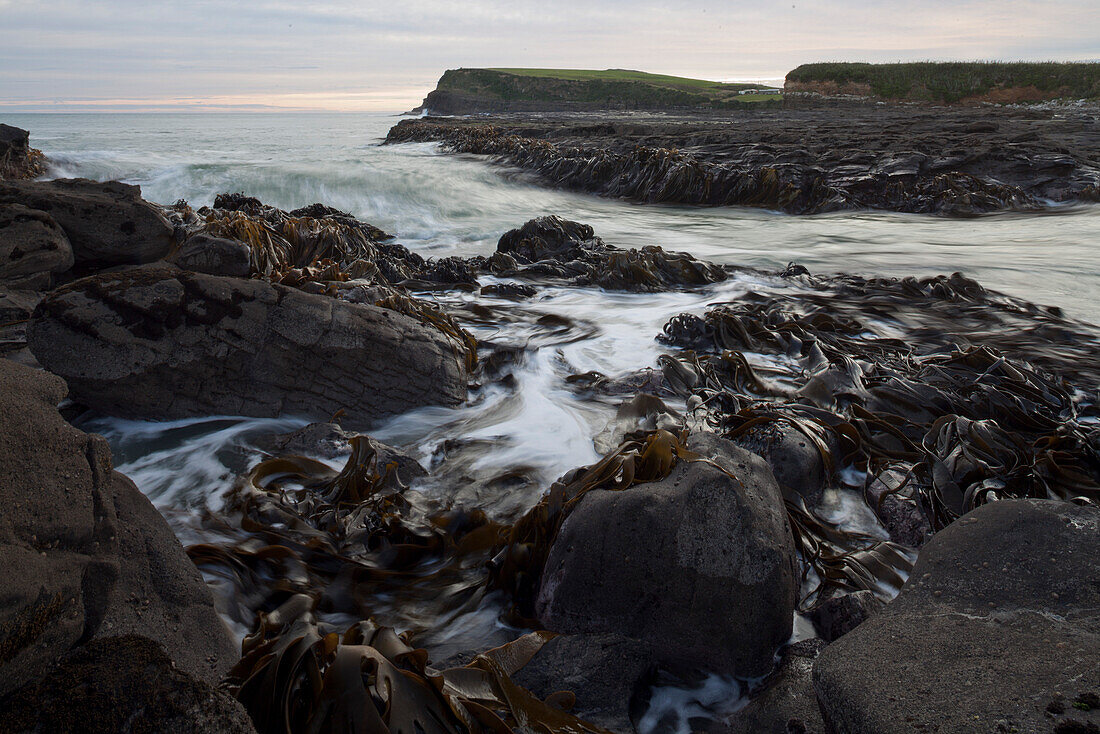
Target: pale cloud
(350, 54)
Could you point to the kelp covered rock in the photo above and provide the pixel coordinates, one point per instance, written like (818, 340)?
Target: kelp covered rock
(121, 684)
(83, 554)
(701, 564)
(552, 247)
(159, 342)
(18, 160)
(997, 629)
(106, 223)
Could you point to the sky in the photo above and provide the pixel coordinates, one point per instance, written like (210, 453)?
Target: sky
(81, 55)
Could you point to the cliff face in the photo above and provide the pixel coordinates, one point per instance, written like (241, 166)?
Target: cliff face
(18, 160)
(472, 91)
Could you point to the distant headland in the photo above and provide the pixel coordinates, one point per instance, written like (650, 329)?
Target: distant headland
(472, 91)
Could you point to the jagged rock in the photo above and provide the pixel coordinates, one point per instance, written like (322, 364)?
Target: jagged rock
(558, 248)
(839, 615)
(106, 223)
(121, 684)
(83, 554)
(606, 672)
(214, 256)
(158, 342)
(700, 565)
(998, 623)
(18, 160)
(33, 248)
(785, 703)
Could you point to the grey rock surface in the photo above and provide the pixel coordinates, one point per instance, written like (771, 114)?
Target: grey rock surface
(106, 223)
(33, 248)
(162, 343)
(700, 565)
(202, 253)
(997, 629)
(83, 554)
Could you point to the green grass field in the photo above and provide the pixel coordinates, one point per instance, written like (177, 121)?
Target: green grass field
(954, 81)
(660, 80)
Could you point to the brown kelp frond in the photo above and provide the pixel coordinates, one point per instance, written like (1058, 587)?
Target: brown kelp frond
(294, 678)
(346, 539)
(431, 315)
(976, 402)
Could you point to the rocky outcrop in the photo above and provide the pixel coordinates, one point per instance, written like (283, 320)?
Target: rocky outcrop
(552, 247)
(33, 248)
(121, 684)
(159, 343)
(107, 223)
(859, 158)
(997, 629)
(18, 160)
(700, 565)
(83, 554)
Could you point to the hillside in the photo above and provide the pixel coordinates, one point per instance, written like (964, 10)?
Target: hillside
(951, 82)
(467, 91)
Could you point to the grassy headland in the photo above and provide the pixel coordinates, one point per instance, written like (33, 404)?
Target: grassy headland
(496, 90)
(952, 82)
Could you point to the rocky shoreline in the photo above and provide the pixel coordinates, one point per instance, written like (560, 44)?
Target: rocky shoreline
(965, 421)
(955, 162)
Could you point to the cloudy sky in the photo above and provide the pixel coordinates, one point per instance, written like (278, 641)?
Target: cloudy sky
(359, 55)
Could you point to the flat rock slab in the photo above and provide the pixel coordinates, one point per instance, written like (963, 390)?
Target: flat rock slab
(998, 629)
(162, 343)
(106, 223)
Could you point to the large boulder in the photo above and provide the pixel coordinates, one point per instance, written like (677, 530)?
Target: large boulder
(215, 255)
(701, 565)
(106, 223)
(609, 675)
(33, 248)
(121, 684)
(83, 554)
(997, 629)
(162, 343)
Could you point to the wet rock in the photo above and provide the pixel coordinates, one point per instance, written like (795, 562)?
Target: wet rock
(999, 619)
(83, 554)
(509, 290)
(161, 343)
(552, 247)
(329, 441)
(794, 458)
(606, 672)
(897, 508)
(839, 615)
(121, 684)
(33, 248)
(106, 223)
(700, 565)
(18, 160)
(215, 256)
(785, 703)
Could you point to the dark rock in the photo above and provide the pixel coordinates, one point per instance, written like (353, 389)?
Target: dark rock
(895, 503)
(700, 565)
(33, 248)
(839, 615)
(785, 702)
(509, 290)
(215, 256)
(163, 343)
(121, 684)
(606, 672)
(999, 619)
(83, 554)
(794, 458)
(18, 160)
(106, 223)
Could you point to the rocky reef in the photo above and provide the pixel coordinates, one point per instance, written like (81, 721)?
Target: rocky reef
(952, 162)
(962, 423)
